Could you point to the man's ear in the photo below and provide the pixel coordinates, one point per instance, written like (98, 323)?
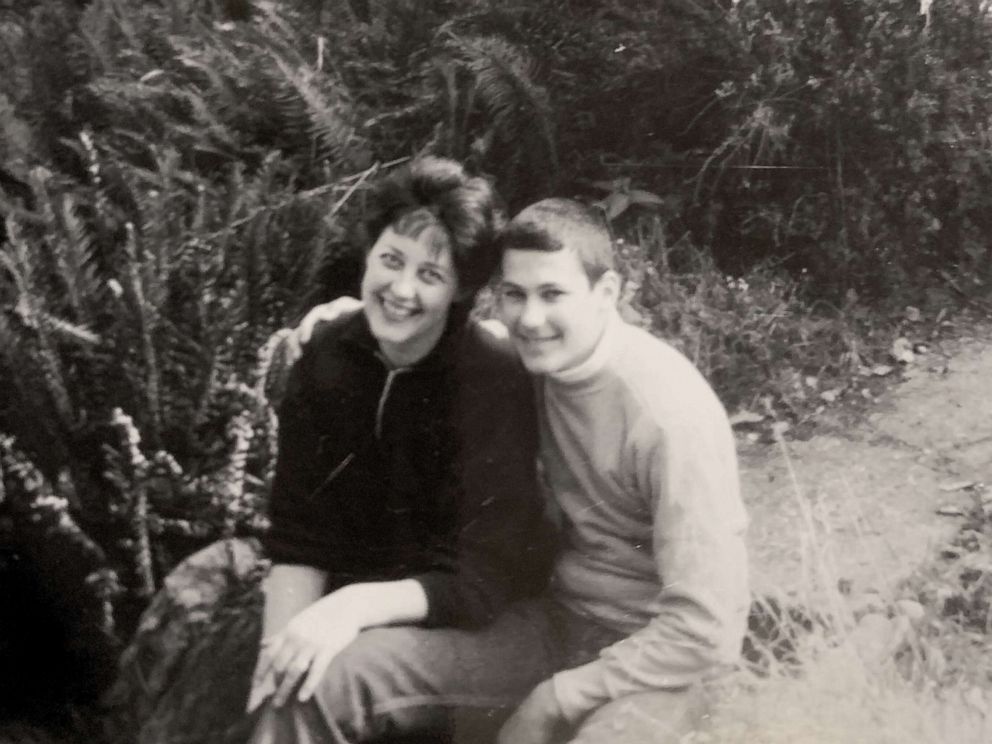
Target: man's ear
(608, 288)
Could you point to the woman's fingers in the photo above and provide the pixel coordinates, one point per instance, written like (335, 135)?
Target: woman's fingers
(291, 676)
(263, 682)
(266, 657)
(316, 673)
(262, 687)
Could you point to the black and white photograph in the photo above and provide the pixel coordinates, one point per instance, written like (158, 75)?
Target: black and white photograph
(477, 372)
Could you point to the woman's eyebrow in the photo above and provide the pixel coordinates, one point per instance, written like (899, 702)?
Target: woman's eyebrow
(444, 269)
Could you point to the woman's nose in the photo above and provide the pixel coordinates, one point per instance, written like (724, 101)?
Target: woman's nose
(402, 285)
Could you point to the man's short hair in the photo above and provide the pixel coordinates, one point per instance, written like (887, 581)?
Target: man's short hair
(553, 225)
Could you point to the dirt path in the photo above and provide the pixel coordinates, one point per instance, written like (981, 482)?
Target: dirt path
(875, 485)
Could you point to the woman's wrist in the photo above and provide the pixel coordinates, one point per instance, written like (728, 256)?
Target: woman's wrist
(372, 604)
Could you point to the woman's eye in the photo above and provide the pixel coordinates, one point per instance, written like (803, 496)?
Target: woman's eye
(391, 261)
(512, 295)
(432, 277)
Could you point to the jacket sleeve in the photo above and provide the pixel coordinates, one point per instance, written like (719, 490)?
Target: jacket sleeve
(504, 545)
(292, 536)
(688, 469)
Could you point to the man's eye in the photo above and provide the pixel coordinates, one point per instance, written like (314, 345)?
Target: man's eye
(552, 295)
(513, 295)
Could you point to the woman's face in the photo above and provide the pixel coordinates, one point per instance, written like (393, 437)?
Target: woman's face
(408, 287)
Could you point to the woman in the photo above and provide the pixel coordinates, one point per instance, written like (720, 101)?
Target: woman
(397, 419)
(405, 487)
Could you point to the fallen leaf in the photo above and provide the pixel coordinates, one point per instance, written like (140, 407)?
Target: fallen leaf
(831, 395)
(902, 351)
(976, 699)
(956, 486)
(780, 427)
(913, 314)
(812, 382)
(950, 510)
(881, 370)
(746, 417)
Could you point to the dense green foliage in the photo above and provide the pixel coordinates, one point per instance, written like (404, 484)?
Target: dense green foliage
(174, 175)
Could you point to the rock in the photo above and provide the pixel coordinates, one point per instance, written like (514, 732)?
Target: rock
(187, 672)
(866, 603)
(911, 609)
(877, 637)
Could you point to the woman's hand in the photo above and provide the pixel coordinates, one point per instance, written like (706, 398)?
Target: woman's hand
(329, 311)
(303, 650)
(306, 646)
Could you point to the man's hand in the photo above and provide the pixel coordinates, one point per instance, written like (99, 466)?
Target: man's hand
(329, 311)
(538, 720)
(303, 650)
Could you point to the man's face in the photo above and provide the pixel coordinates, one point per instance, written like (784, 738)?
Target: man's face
(555, 316)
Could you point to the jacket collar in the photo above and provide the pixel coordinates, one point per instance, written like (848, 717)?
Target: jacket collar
(356, 334)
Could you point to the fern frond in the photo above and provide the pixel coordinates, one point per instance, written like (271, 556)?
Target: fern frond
(505, 88)
(331, 131)
(146, 325)
(18, 259)
(74, 253)
(70, 331)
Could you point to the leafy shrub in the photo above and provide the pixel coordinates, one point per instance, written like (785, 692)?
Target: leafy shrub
(755, 337)
(870, 122)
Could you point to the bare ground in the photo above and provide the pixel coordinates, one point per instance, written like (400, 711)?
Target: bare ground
(874, 481)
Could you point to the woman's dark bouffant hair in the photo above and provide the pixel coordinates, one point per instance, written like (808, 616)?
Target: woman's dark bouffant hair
(467, 206)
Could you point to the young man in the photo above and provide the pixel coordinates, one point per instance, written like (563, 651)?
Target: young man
(649, 593)
(640, 465)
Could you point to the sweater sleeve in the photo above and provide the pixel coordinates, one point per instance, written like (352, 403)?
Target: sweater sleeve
(504, 546)
(688, 468)
(292, 536)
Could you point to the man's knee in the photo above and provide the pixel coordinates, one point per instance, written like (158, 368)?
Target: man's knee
(658, 717)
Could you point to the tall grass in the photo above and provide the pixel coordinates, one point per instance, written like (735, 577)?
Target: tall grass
(892, 674)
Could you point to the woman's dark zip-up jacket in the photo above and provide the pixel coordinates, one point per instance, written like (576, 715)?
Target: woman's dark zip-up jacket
(424, 472)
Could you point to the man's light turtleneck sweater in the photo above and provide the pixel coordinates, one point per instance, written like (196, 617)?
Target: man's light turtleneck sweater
(640, 460)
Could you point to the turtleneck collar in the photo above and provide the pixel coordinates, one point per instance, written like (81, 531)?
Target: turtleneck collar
(587, 372)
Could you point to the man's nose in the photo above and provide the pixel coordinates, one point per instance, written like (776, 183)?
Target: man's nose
(533, 315)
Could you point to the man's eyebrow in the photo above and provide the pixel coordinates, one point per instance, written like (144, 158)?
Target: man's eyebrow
(540, 287)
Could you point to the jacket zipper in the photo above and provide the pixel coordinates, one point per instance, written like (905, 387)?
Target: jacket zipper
(381, 409)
